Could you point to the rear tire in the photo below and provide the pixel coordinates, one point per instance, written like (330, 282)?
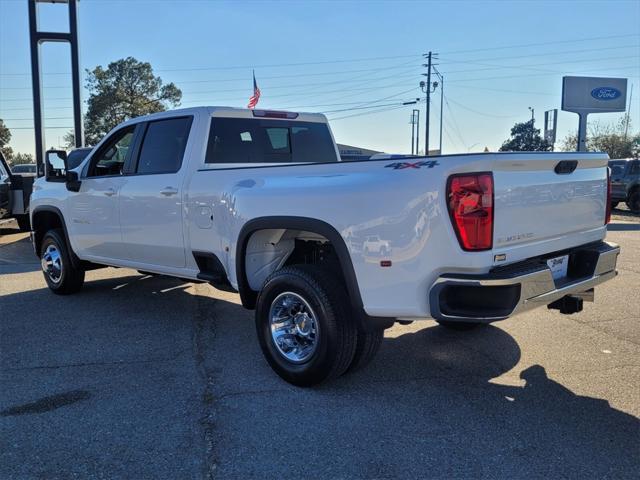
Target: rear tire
(59, 273)
(24, 225)
(633, 202)
(367, 347)
(458, 326)
(304, 325)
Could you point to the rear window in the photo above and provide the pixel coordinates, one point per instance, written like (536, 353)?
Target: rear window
(618, 168)
(242, 140)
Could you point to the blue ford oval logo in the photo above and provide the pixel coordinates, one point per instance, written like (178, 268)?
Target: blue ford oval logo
(605, 93)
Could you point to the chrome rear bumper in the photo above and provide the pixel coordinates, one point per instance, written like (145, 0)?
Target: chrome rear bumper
(507, 291)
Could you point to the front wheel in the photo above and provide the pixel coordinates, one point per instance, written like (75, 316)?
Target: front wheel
(633, 202)
(304, 325)
(59, 273)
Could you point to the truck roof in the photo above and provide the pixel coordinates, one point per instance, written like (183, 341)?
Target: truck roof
(231, 112)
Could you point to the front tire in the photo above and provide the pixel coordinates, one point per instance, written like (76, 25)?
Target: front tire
(304, 325)
(59, 273)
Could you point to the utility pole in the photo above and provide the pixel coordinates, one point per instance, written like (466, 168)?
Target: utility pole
(428, 117)
(427, 89)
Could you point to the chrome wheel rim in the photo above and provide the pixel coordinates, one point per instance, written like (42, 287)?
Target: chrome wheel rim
(294, 327)
(51, 262)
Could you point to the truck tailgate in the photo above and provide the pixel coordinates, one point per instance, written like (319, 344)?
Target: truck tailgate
(549, 198)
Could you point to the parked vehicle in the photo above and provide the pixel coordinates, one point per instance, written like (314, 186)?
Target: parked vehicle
(15, 190)
(625, 183)
(257, 202)
(25, 169)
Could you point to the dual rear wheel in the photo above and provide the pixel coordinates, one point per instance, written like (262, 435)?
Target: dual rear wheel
(306, 327)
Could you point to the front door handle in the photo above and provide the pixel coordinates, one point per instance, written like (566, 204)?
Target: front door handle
(110, 192)
(168, 191)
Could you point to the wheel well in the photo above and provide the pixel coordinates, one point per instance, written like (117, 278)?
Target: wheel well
(298, 240)
(42, 222)
(269, 250)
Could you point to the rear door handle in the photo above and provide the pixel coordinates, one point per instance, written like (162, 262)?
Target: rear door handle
(110, 192)
(168, 191)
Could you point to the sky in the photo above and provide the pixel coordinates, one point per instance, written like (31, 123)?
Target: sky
(355, 61)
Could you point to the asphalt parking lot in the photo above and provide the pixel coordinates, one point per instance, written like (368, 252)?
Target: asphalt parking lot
(150, 377)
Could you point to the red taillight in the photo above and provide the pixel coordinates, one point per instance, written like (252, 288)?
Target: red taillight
(607, 216)
(470, 200)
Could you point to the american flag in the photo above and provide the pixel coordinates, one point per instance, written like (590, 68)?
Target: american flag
(253, 101)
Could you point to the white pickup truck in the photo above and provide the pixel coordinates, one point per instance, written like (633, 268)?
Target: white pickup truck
(258, 202)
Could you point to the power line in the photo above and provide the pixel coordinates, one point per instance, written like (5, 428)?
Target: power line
(453, 119)
(523, 45)
(478, 112)
(46, 128)
(388, 109)
(624, 67)
(531, 66)
(361, 59)
(398, 67)
(249, 67)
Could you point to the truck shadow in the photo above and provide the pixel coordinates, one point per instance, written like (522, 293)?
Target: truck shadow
(427, 406)
(16, 254)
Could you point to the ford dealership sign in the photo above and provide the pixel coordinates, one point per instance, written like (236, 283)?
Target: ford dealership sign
(605, 93)
(586, 95)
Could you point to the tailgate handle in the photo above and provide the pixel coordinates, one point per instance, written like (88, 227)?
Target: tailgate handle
(566, 166)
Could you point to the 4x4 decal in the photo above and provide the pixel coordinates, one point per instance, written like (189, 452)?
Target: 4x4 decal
(403, 165)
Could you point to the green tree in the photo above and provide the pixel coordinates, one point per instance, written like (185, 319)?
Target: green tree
(20, 158)
(127, 88)
(525, 138)
(5, 137)
(614, 139)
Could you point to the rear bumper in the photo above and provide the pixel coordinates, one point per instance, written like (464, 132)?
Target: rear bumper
(512, 289)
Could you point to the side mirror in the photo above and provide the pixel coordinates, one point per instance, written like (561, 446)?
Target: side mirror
(56, 170)
(55, 166)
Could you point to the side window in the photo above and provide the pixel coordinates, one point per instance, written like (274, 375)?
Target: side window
(635, 168)
(163, 146)
(109, 160)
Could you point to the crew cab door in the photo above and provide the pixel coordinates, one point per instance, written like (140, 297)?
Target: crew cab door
(94, 223)
(151, 201)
